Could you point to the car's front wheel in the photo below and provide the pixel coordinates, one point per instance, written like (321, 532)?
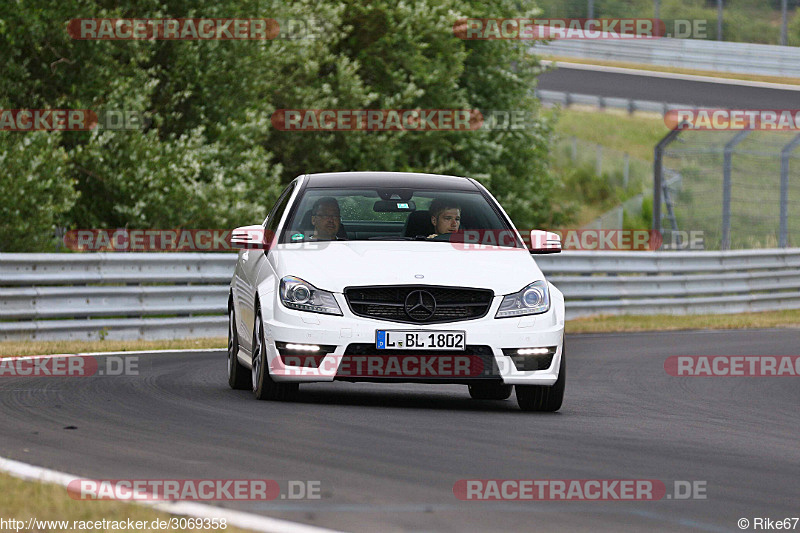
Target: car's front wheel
(543, 397)
(264, 387)
(490, 391)
(238, 375)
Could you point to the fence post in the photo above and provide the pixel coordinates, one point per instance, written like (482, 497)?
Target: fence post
(599, 163)
(626, 169)
(783, 22)
(726, 188)
(574, 149)
(784, 222)
(658, 174)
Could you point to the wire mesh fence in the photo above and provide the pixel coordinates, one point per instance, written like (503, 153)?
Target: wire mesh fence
(741, 189)
(605, 176)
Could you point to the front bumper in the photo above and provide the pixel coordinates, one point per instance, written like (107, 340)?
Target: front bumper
(492, 335)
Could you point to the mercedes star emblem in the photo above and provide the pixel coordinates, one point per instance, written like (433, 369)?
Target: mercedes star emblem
(420, 305)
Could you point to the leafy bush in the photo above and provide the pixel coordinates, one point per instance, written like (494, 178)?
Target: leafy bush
(209, 156)
(35, 191)
(642, 219)
(588, 186)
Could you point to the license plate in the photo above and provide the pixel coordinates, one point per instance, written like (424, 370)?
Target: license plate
(420, 340)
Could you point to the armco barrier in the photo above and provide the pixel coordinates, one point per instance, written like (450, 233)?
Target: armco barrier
(606, 102)
(114, 295)
(675, 282)
(175, 295)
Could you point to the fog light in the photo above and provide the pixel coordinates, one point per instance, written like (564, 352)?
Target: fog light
(302, 347)
(526, 359)
(533, 351)
(295, 348)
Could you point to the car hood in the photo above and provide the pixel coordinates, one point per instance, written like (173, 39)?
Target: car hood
(332, 266)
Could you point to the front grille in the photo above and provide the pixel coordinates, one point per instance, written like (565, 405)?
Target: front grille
(440, 304)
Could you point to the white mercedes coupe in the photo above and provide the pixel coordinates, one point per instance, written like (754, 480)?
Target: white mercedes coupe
(394, 277)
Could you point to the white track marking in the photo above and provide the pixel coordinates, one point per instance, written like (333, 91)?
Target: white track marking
(200, 510)
(235, 518)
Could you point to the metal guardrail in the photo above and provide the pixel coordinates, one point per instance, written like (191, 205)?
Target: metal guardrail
(630, 105)
(156, 296)
(113, 295)
(675, 283)
(62, 269)
(693, 54)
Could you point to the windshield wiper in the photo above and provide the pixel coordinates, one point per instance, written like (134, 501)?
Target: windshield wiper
(396, 238)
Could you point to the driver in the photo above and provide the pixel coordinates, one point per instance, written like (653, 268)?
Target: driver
(326, 219)
(445, 217)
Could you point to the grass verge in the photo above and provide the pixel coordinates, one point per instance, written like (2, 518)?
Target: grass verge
(23, 500)
(789, 318)
(17, 348)
(675, 70)
(635, 134)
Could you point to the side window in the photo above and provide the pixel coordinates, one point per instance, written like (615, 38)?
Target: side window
(277, 212)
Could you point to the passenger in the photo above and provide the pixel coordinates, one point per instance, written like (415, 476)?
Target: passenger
(326, 219)
(445, 217)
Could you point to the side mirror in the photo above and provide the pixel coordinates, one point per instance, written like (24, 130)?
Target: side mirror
(248, 237)
(545, 242)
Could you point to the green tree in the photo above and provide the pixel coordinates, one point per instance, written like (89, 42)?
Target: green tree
(209, 155)
(388, 55)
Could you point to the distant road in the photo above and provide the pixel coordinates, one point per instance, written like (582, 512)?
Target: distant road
(664, 87)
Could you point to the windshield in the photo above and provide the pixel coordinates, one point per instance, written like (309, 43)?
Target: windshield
(391, 214)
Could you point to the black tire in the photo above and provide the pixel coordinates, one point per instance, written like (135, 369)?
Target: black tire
(264, 387)
(238, 374)
(490, 391)
(542, 397)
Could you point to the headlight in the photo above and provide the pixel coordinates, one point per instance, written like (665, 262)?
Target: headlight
(303, 296)
(532, 300)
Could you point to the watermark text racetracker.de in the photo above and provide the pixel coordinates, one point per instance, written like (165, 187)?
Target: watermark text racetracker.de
(488, 29)
(577, 490)
(583, 239)
(69, 366)
(733, 365)
(181, 240)
(558, 28)
(152, 240)
(199, 29)
(456, 120)
(431, 365)
(719, 119)
(24, 120)
(221, 240)
(173, 29)
(194, 489)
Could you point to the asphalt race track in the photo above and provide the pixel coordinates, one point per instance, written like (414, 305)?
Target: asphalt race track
(669, 90)
(387, 457)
